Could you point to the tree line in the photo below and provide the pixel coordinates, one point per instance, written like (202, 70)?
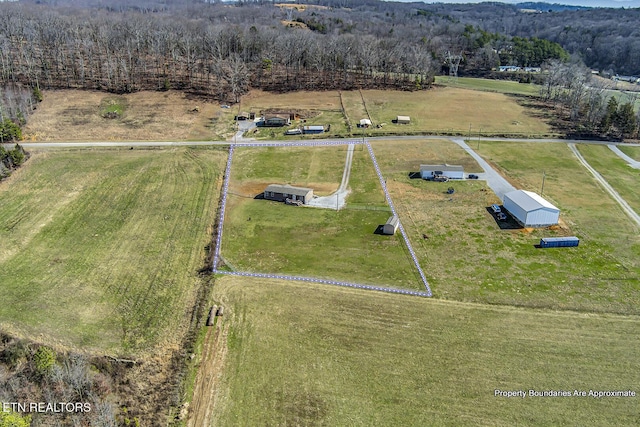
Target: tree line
(221, 49)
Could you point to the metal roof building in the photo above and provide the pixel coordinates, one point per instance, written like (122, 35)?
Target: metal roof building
(530, 209)
(391, 226)
(281, 193)
(450, 171)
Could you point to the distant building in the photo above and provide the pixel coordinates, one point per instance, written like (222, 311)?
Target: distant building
(365, 123)
(281, 193)
(274, 121)
(403, 120)
(450, 171)
(312, 129)
(530, 210)
(391, 226)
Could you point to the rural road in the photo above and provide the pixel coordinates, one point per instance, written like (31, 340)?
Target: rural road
(494, 180)
(633, 163)
(623, 204)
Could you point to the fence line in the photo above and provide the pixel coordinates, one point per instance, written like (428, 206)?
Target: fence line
(225, 190)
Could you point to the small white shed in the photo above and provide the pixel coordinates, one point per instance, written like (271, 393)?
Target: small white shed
(403, 120)
(530, 209)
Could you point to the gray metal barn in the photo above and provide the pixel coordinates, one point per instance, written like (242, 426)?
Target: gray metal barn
(530, 210)
(281, 193)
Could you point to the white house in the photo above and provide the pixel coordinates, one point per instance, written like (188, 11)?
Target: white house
(530, 209)
(450, 171)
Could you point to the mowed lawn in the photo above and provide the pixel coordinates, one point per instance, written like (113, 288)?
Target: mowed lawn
(270, 237)
(101, 248)
(303, 354)
(469, 256)
(444, 110)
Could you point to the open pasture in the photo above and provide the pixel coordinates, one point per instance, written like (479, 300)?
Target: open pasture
(263, 236)
(446, 110)
(75, 115)
(490, 85)
(101, 248)
(467, 256)
(303, 354)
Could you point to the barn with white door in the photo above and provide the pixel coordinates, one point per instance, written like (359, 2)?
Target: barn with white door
(530, 209)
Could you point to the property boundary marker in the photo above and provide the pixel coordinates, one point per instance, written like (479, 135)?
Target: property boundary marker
(225, 189)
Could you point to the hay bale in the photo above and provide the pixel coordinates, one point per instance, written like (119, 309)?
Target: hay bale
(220, 311)
(212, 314)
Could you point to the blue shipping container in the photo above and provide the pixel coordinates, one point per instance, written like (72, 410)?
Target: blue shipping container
(559, 242)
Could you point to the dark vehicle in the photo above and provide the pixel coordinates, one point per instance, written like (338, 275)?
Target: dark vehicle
(472, 176)
(501, 216)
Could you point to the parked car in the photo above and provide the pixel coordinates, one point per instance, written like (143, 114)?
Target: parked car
(472, 176)
(501, 216)
(496, 209)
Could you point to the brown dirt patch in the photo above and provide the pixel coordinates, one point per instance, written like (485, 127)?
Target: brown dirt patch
(75, 115)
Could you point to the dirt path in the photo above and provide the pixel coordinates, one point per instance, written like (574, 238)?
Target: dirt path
(208, 378)
(338, 199)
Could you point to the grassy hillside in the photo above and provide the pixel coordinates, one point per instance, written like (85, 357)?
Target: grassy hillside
(299, 354)
(101, 249)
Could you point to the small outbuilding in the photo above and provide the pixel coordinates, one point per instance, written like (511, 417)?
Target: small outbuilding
(530, 209)
(403, 120)
(391, 226)
(365, 123)
(450, 171)
(282, 193)
(312, 129)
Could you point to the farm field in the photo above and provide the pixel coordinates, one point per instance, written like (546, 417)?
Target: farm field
(445, 110)
(270, 237)
(469, 257)
(101, 248)
(490, 85)
(631, 151)
(301, 354)
(615, 171)
(75, 115)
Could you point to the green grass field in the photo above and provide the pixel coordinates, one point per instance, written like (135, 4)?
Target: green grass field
(490, 85)
(468, 257)
(300, 354)
(615, 171)
(445, 110)
(101, 248)
(270, 237)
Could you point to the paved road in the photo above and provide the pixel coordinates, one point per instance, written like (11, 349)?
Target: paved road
(69, 144)
(495, 181)
(623, 204)
(631, 162)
